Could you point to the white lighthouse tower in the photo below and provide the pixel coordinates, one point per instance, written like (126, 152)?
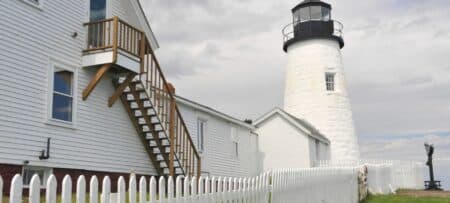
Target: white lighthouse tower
(315, 84)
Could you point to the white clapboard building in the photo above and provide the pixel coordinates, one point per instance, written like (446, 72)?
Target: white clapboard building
(82, 92)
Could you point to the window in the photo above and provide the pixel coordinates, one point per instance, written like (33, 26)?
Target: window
(316, 13)
(62, 103)
(97, 10)
(329, 79)
(304, 14)
(234, 142)
(29, 171)
(236, 149)
(62, 95)
(35, 3)
(317, 143)
(326, 16)
(201, 130)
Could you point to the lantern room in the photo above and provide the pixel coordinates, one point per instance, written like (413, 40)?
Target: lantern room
(311, 20)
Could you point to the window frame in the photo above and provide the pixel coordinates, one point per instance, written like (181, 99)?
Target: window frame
(107, 10)
(201, 139)
(35, 3)
(234, 137)
(332, 83)
(46, 174)
(50, 92)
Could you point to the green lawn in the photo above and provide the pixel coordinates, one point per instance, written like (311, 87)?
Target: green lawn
(405, 199)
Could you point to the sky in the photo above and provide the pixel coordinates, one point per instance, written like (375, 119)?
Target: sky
(228, 55)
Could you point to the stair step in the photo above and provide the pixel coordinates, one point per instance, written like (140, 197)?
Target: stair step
(178, 171)
(164, 165)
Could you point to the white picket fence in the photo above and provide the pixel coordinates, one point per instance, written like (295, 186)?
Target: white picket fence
(337, 185)
(321, 185)
(386, 176)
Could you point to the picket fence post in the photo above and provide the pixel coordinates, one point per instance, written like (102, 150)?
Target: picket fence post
(178, 189)
(106, 190)
(132, 189)
(15, 194)
(152, 189)
(121, 188)
(207, 189)
(142, 190)
(162, 189)
(186, 192)
(66, 194)
(213, 189)
(1, 189)
(170, 188)
(93, 190)
(35, 189)
(81, 189)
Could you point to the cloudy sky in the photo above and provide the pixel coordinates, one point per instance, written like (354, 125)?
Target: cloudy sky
(228, 55)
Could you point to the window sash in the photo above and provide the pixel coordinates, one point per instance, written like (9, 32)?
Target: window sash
(236, 149)
(201, 135)
(330, 81)
(70, 98)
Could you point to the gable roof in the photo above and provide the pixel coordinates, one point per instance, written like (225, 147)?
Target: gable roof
(213, 112)
(298, 123)
(143, 20)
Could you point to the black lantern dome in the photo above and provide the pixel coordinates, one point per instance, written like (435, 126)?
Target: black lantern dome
(312, 19)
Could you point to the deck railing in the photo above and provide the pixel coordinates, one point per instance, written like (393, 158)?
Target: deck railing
(289, 33)
(116, 35)
(113, 34)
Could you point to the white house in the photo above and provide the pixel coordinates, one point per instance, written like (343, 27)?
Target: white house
(71, 103)
(286, 141)
(228, 146)
(82, 92)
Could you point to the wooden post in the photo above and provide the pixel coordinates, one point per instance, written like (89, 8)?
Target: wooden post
(143, 46)
(199, 167)
(100, 73)
(115, 37)
(171, 90)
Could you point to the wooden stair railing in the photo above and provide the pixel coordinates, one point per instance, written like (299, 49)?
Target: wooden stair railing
(148, 98)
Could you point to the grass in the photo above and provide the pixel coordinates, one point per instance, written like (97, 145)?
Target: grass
(405, 199)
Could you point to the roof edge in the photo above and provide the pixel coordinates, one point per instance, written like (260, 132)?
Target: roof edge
(143, 20)
(215, 112)
(308, 128)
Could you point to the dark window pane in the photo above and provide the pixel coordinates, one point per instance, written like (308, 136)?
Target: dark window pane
(62, 107)
(316, 13)
(29, 173)
(304, 14)
(63, 82)
(98, 10)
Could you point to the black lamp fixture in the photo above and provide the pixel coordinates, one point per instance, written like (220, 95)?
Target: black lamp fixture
(431, 184)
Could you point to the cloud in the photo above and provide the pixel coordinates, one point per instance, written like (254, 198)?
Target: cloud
(227, 54)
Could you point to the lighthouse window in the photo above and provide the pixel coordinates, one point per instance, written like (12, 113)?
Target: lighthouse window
(329, 79)
(326, 16)
(316, 13)
(304, 14)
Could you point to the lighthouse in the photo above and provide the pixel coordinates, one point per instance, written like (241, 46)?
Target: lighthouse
(315, 88)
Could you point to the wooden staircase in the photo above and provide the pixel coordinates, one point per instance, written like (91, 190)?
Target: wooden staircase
(147, 96)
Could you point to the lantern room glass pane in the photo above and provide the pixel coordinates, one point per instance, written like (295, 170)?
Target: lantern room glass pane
(316, 13)
(305, 14)
(296, 16)
(326, 14)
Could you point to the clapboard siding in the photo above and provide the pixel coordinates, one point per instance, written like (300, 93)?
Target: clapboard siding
(218, 157)
(103, 138)
(124, 10)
